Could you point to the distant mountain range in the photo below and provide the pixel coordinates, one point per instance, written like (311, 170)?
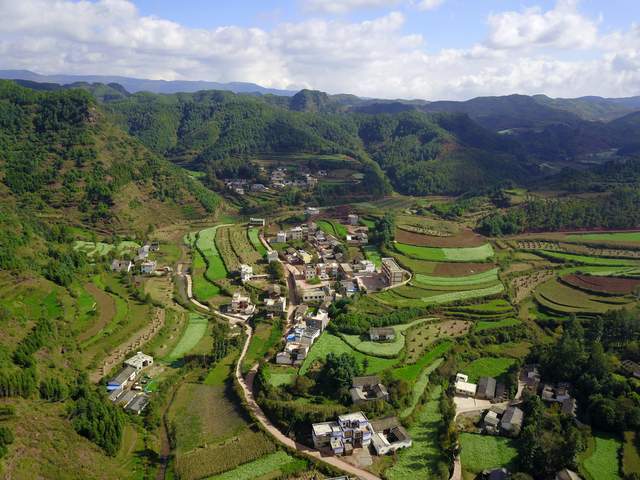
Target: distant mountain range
(134, 85)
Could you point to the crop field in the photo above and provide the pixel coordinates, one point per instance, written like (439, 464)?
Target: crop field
(435, 254)
(465, 238)
(218, 458)
(589, 260)
(328, 343)
(631, 453)
(202, 414)
(600, 461)
(332, 227)
(280, 374)
(480, 452)
(484, 325)
(422, 336)
(419, 387)
(273, 465)
(564, 299)
(493, 306)
(243, 248)
(203, 289)
(409, 296)
(207, 245)
(612, 237)
(517, 350)
(421, 460)
(266, 335)
(101, 249)
(600, 284)
(254, 238)
(382, 349)
(487, 367)
(433, 282)
(196, 328)
(411, 372)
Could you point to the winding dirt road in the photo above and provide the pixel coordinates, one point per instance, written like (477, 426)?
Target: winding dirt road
(247, 389)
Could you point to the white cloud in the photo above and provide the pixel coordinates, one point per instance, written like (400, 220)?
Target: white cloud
(561, 27)
(344, 6)
(373, 58)
(428, 4)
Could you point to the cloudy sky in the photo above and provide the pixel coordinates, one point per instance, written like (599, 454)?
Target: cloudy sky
(431, 49)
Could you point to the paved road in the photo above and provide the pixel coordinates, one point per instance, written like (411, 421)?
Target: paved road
(247, 389)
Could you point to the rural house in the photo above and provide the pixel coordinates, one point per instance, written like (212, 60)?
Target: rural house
(365, 389)
(148, 267)
(139, 361)
(382, 334)
(486, 388)
(122, 379)
(389, 436)
(122, 266)
(272, 256)
(511, 422)
(350, 431)
(392, 271)
(463, 387)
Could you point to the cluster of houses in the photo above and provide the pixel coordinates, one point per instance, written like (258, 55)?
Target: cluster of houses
(306, 329)
(125, 389)
(500, 419)
(549, 393)
(354, 430)
(367, 389)
(145, 265)
(278, 179)
(241, 305)
(487, 388)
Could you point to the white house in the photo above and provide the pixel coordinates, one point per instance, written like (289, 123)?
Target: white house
(139, 361)
(463, 387)
(311, 211)
(281, 237)
(148, 267)
(246, 273)
(353, 219)
(272, 256)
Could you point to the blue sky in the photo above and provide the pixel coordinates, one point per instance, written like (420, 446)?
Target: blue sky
(432, 49)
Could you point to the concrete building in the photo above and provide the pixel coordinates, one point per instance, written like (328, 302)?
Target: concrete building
(350, 431)
(392, 271)
(138, 404)
(122, 379)
(312, 211)
(511, 421)
(486, 388)
(257, 222)
(122, 266)
(148, 267)
(296, 233)
(241, 305)
(281, 237)
(464, 387)
(352, 219)
(272, 256)
(491, 422)
(366, 389)
(276, 305)
(139, 361)
(246, 272)
(389, 436)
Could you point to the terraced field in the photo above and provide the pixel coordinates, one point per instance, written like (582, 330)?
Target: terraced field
(436, 254)
(602, 285)
(196, 328)
(562, 298)
(589, 260)
(254, 238)
(408, 296)
(437, 283)
(206, 244)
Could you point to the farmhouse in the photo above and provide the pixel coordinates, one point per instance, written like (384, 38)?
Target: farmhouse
(358, 238)
(320, 320)
(138, 404)
(512, 420)
(346, 271)
(257, 222)
(486, 388)
(276, 305)
(281, 237)
(632, 368)
(366, 389)
(463, 387)
(389, 436)
(258, 187)
(148, 267)
(272, 256)
(382, 334)
(392, 271)
(154, 246)
(312, 211)
(122, 379)
(241, 304)
(531, 377)
(350, 431)
(294, 353)
(121, 266)
(491, 422)
(139, 361)
(143, 252)
(246, 272)
(352, 218)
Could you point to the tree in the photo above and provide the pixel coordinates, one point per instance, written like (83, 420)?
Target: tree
(336, 377)
(276, 271)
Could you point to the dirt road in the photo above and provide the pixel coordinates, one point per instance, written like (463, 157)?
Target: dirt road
(247, 389)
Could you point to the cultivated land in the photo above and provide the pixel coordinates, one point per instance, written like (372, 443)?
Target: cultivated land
(600, 461)
(196, 328)
(480, 452)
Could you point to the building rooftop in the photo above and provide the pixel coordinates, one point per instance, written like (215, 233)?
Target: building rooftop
(123, 375)
(353, 417)
(391, 264)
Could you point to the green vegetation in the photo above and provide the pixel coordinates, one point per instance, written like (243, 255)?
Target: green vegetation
(493, 325)
(265, 337)
(196, 328)
(419, 387)
(254, 238)
(381, 349)
(102, 249)
(328, 343)
(467, 254)
(631, 454)
(372, 253)
(587, 260)
(269, 466)
(601, 461)
(425, 455)
(480, 452)
(430, 281)
(411, 372)
(487, 367)
(623, 237)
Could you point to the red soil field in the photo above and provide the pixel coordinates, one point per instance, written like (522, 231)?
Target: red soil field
(466, 238)
(611, 285)
(458, 269)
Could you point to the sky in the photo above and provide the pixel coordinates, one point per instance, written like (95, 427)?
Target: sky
(428, 49)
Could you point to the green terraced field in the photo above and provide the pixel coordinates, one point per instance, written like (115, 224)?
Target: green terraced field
(396, 299)
(196, 328)
(384, 349)
(254, 238)
(411, 372)
(328, 343)
(564, 299)
(207, 246)
(626, 237)
(101, 249)
(488, 325)
(468, 254)
(269, 466)
(428, 281)
(587, 260)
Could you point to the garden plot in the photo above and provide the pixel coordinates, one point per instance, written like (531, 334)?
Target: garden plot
(565, 299)
(602, 285)
(424, 335)
(601, 459)
(481, 452)
(471, 254)
(196, 328)
(433, 238)
(254, 238)
(207, 246)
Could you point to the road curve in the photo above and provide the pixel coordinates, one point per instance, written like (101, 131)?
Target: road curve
(247, 390)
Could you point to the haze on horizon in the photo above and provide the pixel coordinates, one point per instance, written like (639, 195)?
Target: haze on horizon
(429, 49)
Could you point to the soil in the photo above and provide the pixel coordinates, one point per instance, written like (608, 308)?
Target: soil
(465, 238)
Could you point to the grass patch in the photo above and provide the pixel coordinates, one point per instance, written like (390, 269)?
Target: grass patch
(631, 453)
(489, 325)
(328, 343)
(410, 373)
(265, 336)
(630, 237)
(273, 465)
(480, 452)
(254, 238)
(372, 253)
(280, 375)
(419, 387)
(487, 367)
(221, 371)
(587, 260)
(436, 254)
(422, 459)
(600, 461)
(196, 328)
(428, 281)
